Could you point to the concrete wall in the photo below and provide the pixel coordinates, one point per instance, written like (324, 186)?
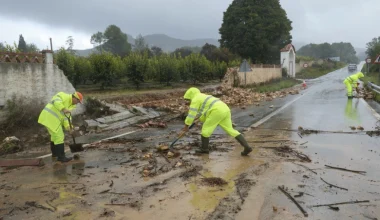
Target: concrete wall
(33, 80)
(259, 74)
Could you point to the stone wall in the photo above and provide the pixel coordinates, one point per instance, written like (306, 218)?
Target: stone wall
(37, 81)
(259, 74)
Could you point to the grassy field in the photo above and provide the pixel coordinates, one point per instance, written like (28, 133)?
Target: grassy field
(315, 72)
(276, 85)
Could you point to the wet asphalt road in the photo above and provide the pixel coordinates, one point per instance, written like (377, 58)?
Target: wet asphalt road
(325, 107)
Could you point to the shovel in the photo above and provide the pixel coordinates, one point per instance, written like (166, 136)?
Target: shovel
(179, 137)
(74, 147)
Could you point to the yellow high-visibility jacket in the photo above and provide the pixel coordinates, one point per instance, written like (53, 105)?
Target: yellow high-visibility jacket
(201, 105)
(52, 116)
(353, 79)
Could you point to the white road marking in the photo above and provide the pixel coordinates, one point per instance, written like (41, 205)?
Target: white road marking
(261, 121)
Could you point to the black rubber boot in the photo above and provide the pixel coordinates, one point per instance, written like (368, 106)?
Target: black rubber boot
(61, 153)
(204, 146)
(243, 142)
(53, 150)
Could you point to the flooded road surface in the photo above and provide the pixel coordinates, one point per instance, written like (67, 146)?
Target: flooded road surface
(127, 178)
(325, 107)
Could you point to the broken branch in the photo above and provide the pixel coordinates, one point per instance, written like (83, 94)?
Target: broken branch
(36, 205)
(238, 191)
(299, 135)
(341, 203)
(295, 202)
(55, 208)
(306, 168)
(129, 194)
(344, 169)
(332, 185)
(167, 160)
(104, 191)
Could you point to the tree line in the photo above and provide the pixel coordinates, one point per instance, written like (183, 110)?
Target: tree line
(105, 68)
(115, 59)
(345, 51)
(22, 46)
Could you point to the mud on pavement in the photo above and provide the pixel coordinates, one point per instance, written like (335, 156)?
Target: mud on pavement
(133, 179)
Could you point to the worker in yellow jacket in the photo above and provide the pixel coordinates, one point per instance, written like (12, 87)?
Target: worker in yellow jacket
(54, 118)
(212, 112)
(352, 82)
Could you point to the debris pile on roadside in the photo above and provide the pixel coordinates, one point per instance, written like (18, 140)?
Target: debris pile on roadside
(365, 94)
(10, 145)
(122, 119)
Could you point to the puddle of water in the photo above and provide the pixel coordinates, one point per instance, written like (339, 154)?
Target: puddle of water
(228, 168)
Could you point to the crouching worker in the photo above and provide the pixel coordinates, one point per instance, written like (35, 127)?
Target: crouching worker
(54, 118)
(212, 112)
(352, 82)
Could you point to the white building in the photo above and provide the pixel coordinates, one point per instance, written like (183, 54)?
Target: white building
(288, 59)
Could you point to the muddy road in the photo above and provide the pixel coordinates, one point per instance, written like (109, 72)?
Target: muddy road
(129, 177)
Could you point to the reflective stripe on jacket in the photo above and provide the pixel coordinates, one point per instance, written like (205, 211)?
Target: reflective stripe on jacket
(354, 78)
(52, 116)
(201, 105)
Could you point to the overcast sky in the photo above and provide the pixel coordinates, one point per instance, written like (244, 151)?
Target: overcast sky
(313, 21)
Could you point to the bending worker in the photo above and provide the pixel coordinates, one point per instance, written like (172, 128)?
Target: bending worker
(53, 117)
(212, 112)
(351, 82)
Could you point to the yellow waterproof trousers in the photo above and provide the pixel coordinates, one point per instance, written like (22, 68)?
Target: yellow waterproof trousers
(221, 117)
(348, 86)
(58, 137)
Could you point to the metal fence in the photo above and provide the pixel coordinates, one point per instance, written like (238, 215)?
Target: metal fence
(374, 87)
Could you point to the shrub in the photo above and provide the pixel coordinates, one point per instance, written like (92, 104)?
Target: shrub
(22, 112)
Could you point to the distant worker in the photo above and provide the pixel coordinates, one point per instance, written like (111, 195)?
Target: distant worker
(54, 118)
(352, 82)
(212, 112)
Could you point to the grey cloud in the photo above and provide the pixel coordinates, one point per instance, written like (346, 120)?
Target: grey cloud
(313, 21)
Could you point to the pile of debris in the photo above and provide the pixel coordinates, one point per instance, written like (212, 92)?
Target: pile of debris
(239, 96)
(151, 124)
(10, 145)
(366, 94)
(123, 119)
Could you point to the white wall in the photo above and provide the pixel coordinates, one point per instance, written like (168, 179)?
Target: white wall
(285, 59)
(32, 80)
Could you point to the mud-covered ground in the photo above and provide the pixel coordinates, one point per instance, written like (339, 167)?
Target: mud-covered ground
(295, 137)
(131, 179)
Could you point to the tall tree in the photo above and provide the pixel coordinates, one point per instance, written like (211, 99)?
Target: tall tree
(116, 41)
(256, 29)
(70, 44)
(140, 44)
(97, 40)
(373, 48)
(208, 50)
(22, 44)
